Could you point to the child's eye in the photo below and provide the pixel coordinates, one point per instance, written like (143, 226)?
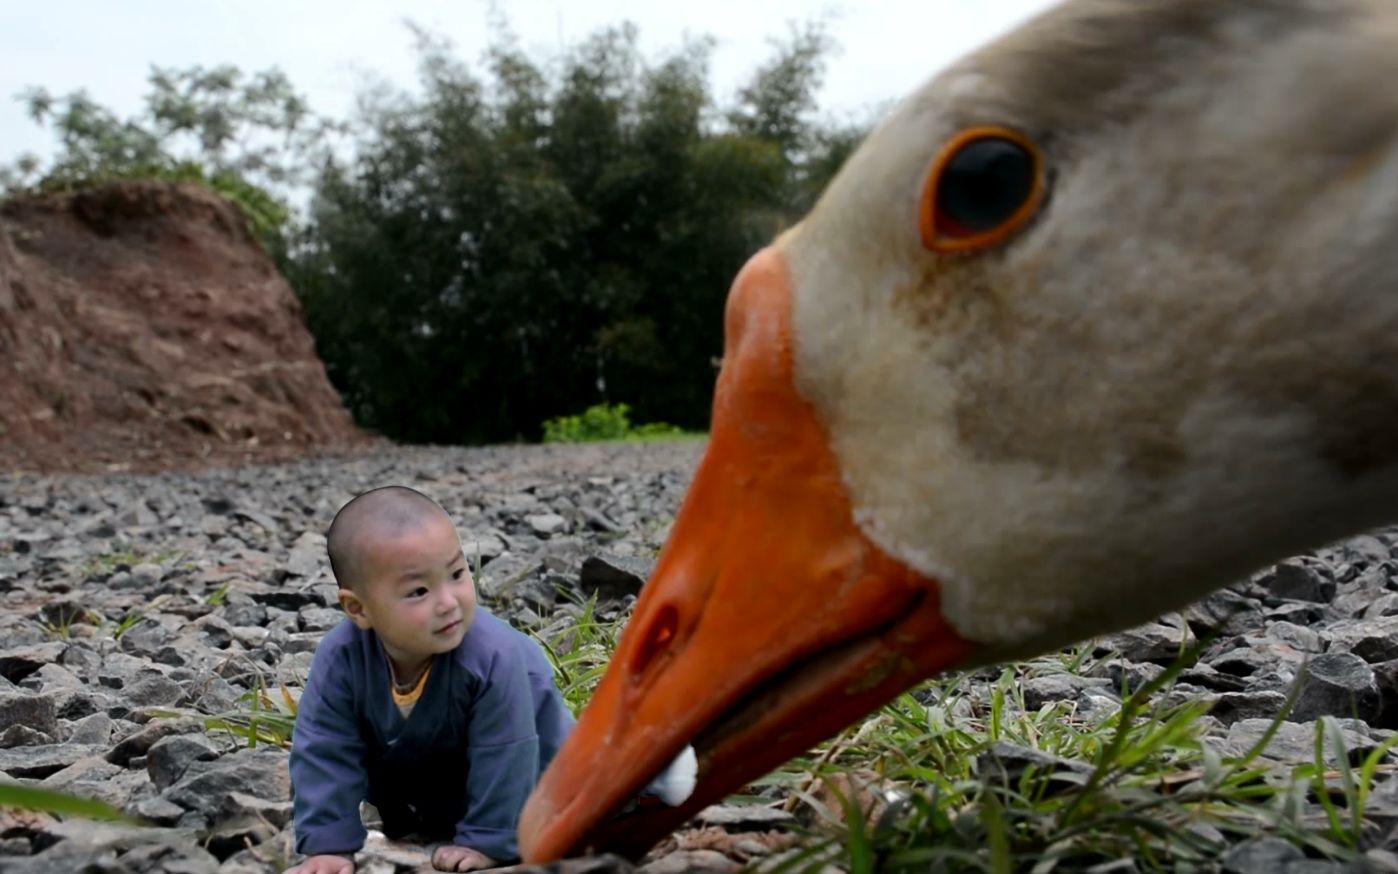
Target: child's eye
(458, 573)
(418, 592)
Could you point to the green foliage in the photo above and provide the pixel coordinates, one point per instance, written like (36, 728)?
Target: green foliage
(580, 655)
(505, 244)
(1140, 780)
(1156, 790)
(17, 797)
(244, 136)
(604, 422)
(512, 243)
(260, 717)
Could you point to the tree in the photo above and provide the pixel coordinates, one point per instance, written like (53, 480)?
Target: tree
(509, 247)
(247, 136)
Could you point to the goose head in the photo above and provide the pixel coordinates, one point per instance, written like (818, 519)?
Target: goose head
(1102, 318)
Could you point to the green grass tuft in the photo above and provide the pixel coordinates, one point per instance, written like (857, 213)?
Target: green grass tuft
(1144, 782)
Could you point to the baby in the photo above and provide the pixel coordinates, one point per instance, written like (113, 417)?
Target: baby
(432, 709)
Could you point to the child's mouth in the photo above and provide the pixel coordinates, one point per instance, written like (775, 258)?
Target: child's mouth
(448, 629)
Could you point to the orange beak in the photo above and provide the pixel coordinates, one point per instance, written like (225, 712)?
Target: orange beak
(770, 621)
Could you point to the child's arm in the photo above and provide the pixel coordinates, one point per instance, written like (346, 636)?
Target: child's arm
(503, 756)
(328, 778)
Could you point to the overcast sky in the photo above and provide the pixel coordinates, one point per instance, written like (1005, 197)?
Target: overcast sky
(887, 47)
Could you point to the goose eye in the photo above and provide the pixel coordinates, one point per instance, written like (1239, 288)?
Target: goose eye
(983, 186)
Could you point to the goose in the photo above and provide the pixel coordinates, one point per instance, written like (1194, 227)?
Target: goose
(1102, 318)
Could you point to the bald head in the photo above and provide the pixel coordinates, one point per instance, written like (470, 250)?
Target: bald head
(376, 514)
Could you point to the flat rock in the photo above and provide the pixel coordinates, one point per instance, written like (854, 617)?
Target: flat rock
(44, 759)
(1338, 684)
(18, 662)
(27, 710)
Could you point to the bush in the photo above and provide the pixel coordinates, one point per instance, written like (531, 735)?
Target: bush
(603, 422)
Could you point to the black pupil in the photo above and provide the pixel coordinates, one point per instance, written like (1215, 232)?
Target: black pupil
(984, 183)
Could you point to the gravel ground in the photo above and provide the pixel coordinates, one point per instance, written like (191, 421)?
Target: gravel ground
(124, 594)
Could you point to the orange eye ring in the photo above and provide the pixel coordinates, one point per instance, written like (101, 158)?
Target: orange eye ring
(1001, 167)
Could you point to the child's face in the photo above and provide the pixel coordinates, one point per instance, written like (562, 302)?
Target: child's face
(415, 591)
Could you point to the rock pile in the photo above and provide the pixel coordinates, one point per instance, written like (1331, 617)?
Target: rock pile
(133, 608)
(143, 328)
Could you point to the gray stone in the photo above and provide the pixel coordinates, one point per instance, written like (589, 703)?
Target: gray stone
(614, 577)
(230, 836)
(1386, 676)
(1225, 610)
(1338, 684)
(139, 744)
(249, 613)
(307, 555)
(1257, 655)
(41, 761)
(1120, 866)
(92, 769)
(1006, 763)
(1384, 605)
(744, 817)
(687, 861)
(504, 575)
(76, 703)
(36, 712)
(1298, 637)
(319, 619)
(146, 574)
(546, 524)
(485, 545)
(292, 595)
(100, 848)
(1374, 640)
(1151, 642)
(258, 772)
(95, 729)
(214, 694)
(51, 677)
(599, 521)
(1261, 856)
(81, 659)
(1120, 672)
(19, 662)
(24, 736)
(1299, 580)
(154, 691)
(145, 638)
(1039, 691)
(159, 811)
(170, 757)
(17, 846)
(239, 806)
(1231, 707)
(1294, 743)
(1302, 613)
(119, 670)
(1381, 861)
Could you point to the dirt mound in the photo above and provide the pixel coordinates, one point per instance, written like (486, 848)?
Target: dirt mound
(143, 328)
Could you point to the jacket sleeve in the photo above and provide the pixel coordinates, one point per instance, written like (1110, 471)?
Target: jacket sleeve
(503, 757)
(328, 777)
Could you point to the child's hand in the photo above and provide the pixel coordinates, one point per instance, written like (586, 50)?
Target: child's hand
(450, 857)
(324, 865)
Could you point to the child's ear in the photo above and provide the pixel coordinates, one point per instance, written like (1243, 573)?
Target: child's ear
(354, 608)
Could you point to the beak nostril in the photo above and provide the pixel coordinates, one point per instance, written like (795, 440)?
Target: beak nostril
(658, 638)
